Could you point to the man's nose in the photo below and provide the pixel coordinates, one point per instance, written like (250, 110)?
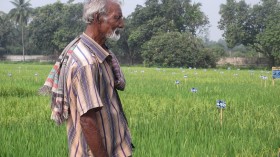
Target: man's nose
(121, 24)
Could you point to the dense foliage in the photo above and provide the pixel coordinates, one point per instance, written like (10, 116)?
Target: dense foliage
(176, 49)
(53, 26)
(157, 18)
(247, 30)
(256, 26)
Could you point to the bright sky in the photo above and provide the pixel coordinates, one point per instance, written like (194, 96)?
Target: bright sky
(209, 7)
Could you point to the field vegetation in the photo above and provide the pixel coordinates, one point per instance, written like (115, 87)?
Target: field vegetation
(166, 119)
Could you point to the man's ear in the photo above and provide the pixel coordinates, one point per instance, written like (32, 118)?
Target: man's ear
(100, 18)
(97, 17)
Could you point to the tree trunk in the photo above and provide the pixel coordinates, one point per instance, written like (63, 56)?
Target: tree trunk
(130, 58)
(22, 40)
(271, 61)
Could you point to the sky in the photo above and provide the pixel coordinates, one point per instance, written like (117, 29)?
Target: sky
(209, 7)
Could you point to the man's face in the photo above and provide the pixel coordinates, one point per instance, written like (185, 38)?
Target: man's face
(112, 22)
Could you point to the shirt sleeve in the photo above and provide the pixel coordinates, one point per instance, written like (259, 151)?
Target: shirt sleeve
(85, 88)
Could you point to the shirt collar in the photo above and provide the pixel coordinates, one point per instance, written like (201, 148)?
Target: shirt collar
(94, 47)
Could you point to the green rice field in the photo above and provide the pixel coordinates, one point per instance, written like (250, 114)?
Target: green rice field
(165, 119)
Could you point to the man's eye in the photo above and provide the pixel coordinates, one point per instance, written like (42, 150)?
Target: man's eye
(117, 17)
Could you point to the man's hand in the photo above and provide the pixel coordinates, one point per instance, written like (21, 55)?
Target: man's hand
(92, 133)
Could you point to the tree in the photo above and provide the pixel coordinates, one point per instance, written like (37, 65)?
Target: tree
(268, 37)
(157, 17)
(218, 48)
(71, 25)
(257, 27)
(21, 14)
(175, 49)
(141, 25)
(57, 24)
(234, 15)
(5, 30)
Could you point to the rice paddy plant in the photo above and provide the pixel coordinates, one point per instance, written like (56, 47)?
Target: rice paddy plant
(166, 119)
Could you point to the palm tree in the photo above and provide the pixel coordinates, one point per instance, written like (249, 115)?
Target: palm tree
(21, 14)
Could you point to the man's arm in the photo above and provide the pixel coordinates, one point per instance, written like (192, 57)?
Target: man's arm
(92, 133)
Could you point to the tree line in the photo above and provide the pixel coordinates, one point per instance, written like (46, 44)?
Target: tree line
(166, 33)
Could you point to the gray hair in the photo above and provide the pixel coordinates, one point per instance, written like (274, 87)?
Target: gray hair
(95, 6)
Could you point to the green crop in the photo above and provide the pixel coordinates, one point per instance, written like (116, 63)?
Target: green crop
(165, 119)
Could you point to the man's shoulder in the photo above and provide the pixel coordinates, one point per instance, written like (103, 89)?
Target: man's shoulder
(82, 55)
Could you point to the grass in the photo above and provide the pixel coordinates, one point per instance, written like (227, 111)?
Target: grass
(166, 120)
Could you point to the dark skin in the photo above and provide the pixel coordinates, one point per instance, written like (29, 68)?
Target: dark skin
(92, 134)
(100, 27)
(97, 30)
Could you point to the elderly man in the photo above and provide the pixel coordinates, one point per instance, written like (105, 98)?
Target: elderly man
(83, 84)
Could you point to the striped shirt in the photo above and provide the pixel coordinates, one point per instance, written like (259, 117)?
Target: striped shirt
(90, 84)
